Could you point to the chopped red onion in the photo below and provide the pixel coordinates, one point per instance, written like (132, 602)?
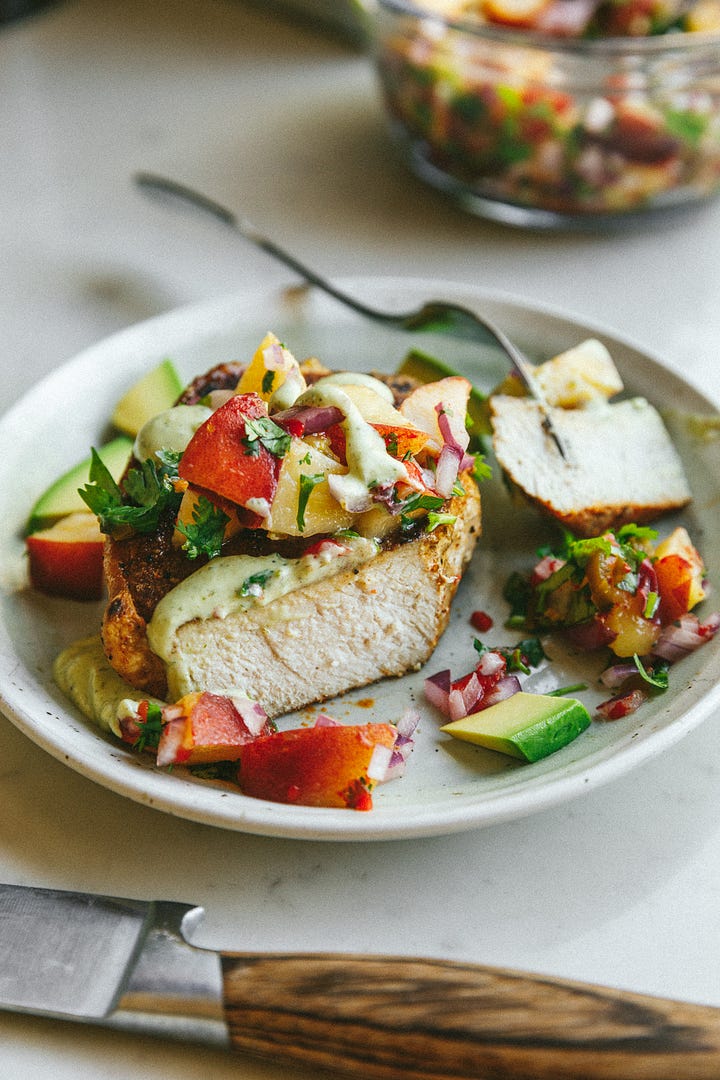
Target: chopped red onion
(170, 741)
(437, 690)
(276, 358)
(616, 708)
(591, 635)
(302, 420)
(446, 473)
(648, 583)
(681, 638)
(452, 455)
(407, 723)
(323, 720)
(503, 688)
(454, 434)
(546, 568)
(490, 663)
(462, 702)
(252, 714)
(379, 762)
(617, 674)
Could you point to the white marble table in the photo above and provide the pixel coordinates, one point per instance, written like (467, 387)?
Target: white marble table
(621, 886)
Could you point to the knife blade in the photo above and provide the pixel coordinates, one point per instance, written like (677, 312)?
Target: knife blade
(130, 964)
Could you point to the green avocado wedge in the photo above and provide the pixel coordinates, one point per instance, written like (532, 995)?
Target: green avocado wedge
(155, 392)
(62, 497)
(525, 726)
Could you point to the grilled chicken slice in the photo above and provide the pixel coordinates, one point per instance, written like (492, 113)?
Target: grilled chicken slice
(620, 464)
(383, 618)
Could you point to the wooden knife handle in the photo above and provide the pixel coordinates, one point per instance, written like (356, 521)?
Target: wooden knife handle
(435, 1020)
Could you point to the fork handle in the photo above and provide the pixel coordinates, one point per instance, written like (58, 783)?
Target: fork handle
(415, 1019)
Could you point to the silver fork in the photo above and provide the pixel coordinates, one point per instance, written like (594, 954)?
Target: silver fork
(440, 316)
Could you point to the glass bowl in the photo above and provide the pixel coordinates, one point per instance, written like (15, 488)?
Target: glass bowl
(536, 130)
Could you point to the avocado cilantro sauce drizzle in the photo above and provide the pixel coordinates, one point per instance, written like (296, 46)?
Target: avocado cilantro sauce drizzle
(369, 464)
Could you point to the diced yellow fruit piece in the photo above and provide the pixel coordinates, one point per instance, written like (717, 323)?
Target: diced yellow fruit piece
(527, 726)
(189, 505)
(679, 543)
(376, 523)
(258, 377)
(578, 376)
(155, 392)
(322, 513)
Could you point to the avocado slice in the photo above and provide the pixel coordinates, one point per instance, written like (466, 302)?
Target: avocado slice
(62, 498)
(155, 392)
(425, 368)
(526, 726)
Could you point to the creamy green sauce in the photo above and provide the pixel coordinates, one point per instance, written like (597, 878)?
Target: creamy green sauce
(357, 378)
(369, 463)
(84, 675)
(170, 430)
(235, 583)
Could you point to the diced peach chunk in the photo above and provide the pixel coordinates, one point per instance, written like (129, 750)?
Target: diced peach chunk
(318, 766)
(67, 559)
(208, 728)
(221, 457)
(270, 366)
(680, 572)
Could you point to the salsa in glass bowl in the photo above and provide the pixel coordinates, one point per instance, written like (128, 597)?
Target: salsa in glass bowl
(568, 111)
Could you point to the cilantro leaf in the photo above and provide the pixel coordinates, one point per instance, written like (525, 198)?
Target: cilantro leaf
(481, 469)
(656, 675)
(150, 728)
(435, 519)
(418, 502)
(522, 656)
(253, 585)
(149, 492)
(205, 534)
(263, 431)
(307, 483)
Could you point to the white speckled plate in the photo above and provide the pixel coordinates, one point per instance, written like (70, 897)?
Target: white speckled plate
(449, 786)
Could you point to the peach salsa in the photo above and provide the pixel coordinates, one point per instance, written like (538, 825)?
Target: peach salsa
(563, 106)
(276, 533)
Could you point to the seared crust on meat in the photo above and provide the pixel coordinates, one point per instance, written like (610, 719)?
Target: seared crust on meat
(139, 571)
(348, 630)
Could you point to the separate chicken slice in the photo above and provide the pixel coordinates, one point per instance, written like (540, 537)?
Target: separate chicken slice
(620, 464)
